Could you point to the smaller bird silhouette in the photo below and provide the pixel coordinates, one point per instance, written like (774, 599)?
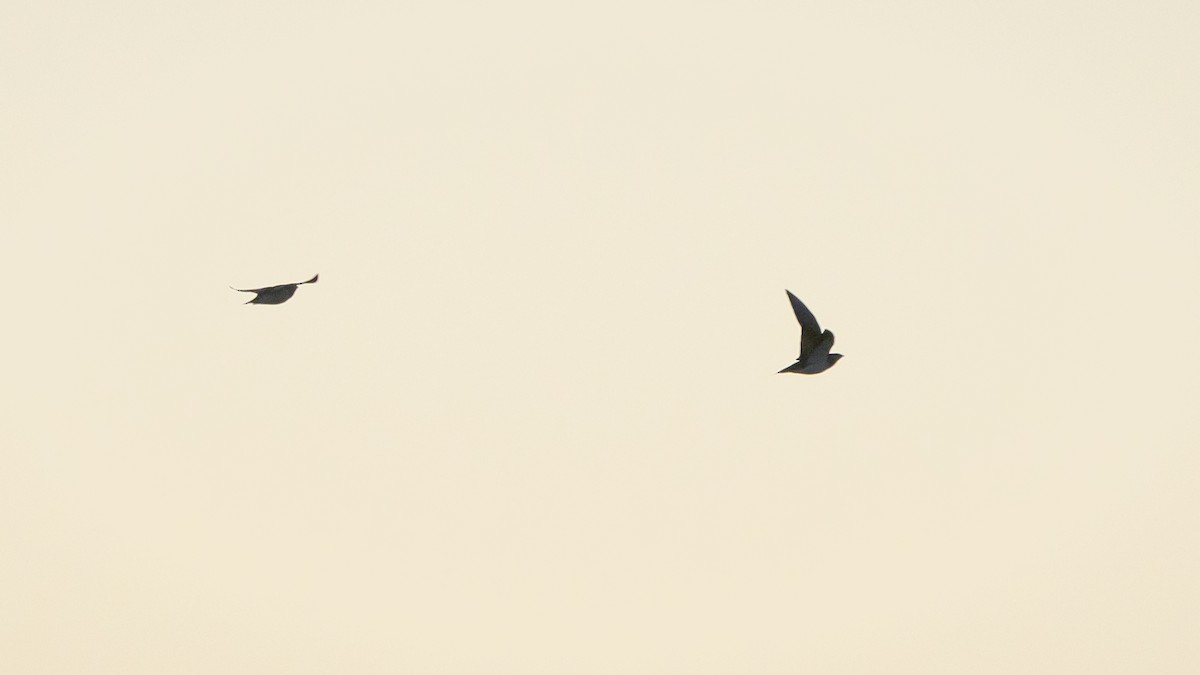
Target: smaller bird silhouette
(274, 295)
(814, 345)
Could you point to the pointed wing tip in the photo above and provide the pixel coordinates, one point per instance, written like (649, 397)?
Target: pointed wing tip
(803, 314)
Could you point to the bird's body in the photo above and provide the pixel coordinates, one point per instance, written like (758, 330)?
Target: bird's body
(274, 295)
(814, 344)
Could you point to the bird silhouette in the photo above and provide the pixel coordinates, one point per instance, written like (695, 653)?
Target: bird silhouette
(274, 295)
(814, 345)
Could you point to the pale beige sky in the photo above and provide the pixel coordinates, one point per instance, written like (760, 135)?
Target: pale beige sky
(529, 421)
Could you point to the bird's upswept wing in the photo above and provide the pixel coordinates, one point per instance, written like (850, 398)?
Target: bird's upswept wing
(810, 333)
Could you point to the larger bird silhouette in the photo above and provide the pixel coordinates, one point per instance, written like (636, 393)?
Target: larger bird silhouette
(274, 295)
(814, 345)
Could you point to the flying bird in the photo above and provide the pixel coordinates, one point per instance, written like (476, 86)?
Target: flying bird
(814, 345)
(274, 295)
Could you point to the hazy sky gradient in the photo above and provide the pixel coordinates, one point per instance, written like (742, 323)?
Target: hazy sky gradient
(528, 421)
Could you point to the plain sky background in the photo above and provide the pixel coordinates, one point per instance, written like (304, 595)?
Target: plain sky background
(528, 421)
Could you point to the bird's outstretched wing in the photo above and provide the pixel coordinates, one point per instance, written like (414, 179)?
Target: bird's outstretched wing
(810, 333)
(820, 353)
(268, 289)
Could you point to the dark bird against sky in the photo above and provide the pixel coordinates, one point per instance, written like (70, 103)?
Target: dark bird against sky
(814, 345)
(274, 295)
